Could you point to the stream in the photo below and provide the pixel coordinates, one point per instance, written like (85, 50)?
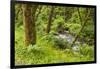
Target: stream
(69, 38)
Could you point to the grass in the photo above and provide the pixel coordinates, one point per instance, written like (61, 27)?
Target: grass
(44, 52)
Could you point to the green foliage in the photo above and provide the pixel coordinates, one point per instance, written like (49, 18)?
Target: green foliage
(18, 14)
(61, 43)
(87, 50)
(75, 19)
(45, 51)
(74, 28)
(51, 48)
(58, 21)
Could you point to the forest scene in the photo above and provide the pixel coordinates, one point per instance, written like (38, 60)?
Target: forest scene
(46, 34)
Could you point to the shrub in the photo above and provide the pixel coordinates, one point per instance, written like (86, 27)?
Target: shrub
(73, 28)
(61, 43)
(87, 50)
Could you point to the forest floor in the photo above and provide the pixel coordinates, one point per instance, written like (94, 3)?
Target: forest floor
(44, 52)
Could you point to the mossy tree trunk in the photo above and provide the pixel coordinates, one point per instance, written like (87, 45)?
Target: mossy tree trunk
(29, 24)
(50, 20)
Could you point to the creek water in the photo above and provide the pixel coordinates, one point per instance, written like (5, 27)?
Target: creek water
(69, 38)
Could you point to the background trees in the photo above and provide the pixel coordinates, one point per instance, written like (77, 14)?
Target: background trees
(57, 33)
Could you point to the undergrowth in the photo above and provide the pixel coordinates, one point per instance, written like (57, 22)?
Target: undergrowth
(45, 51)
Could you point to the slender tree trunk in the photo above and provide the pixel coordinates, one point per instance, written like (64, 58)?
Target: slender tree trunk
(29, 24)
(84, 23)
(65, 15)
(39, 11)
(50, 20)
(79, 16)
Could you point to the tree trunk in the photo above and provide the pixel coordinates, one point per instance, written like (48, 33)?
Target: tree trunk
(65, 15)
(29, 24)
(79, 16)
(50, 20)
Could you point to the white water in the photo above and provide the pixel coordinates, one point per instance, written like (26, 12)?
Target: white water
(69, 38)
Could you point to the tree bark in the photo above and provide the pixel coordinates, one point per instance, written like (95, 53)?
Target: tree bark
(29, 24)
(50, 20)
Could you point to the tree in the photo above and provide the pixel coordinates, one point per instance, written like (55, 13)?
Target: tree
(83, 25)
(29, 23)
(18, 14)
(50, 20)
(39, 11)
